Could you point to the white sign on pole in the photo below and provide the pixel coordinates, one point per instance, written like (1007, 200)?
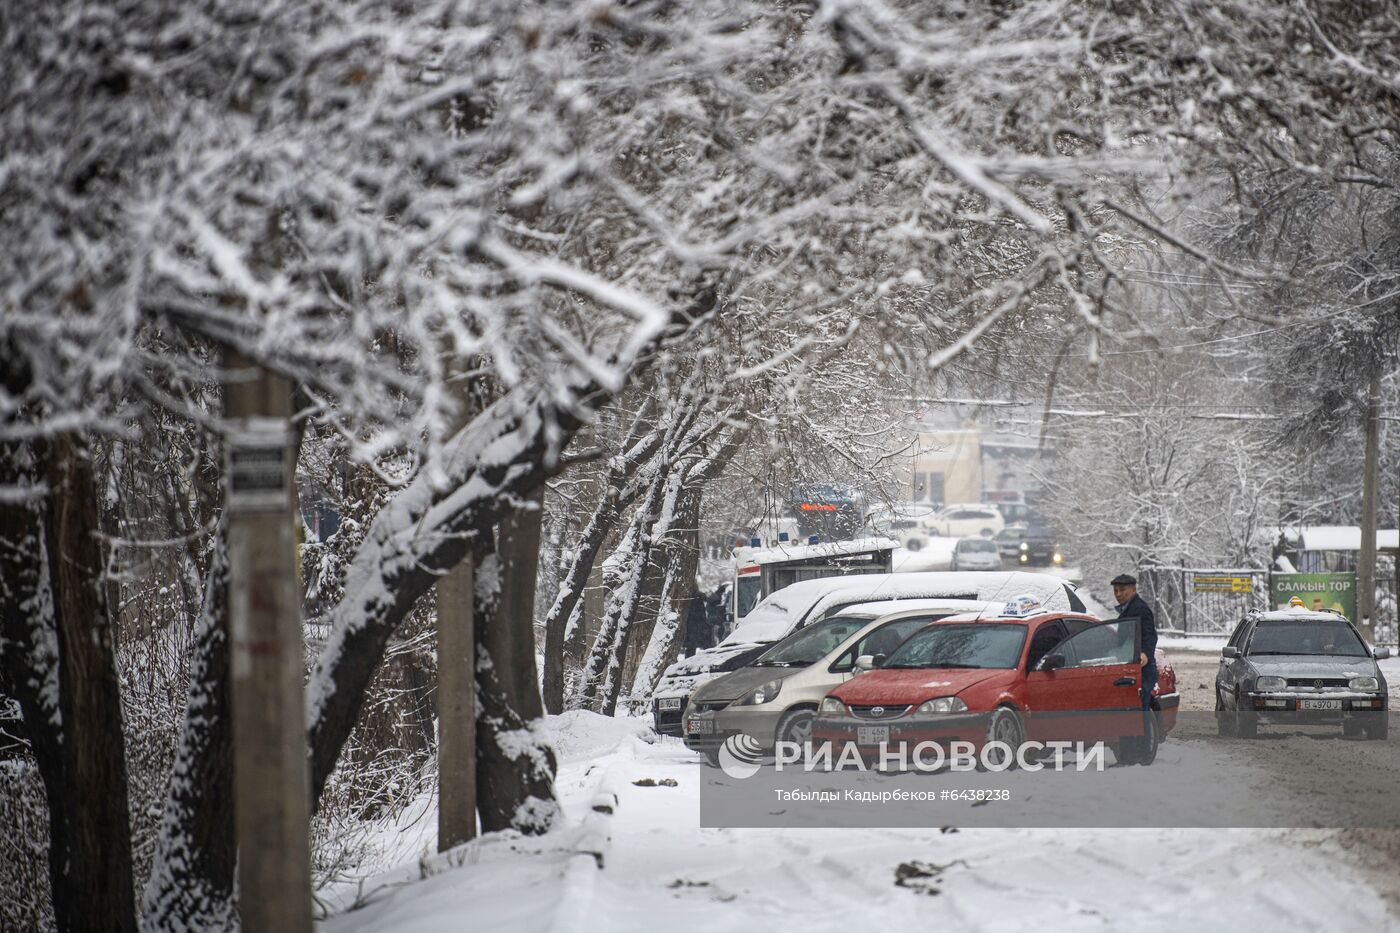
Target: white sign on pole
(259, 466)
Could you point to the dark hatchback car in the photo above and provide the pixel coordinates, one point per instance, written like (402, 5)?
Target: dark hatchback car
(1300, 667)
(1031, 545)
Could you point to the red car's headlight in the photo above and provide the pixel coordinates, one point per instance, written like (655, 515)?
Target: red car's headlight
(943, 705)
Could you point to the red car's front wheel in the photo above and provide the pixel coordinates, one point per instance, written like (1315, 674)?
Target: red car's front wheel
(1005, 727)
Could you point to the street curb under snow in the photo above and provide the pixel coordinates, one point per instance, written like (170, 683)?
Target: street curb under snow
(589, 855)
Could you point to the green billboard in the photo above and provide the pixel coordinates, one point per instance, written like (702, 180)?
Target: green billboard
(1317, 591)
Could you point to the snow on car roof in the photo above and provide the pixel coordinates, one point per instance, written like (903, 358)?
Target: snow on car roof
(887, 606)
(785, 552)
(777, 615)
(1300, 614)
(900, 508)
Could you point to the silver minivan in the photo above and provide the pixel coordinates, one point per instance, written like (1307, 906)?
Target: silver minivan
(976, 554)
(776, 697)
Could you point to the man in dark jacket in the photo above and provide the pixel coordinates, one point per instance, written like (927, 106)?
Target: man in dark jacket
(1133, 606)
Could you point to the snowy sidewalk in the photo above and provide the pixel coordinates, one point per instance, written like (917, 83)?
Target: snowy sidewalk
(662, 871)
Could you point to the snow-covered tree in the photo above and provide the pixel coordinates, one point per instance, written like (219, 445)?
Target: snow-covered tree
(536, 205)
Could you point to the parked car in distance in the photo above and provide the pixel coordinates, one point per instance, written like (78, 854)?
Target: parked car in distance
(776, 697)
(1301, 667)
(905, 522)
(976, 554)
(966, 521)
(1029, 545)
(978, 679)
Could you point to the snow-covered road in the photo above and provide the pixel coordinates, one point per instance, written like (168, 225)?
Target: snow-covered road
(661, 871)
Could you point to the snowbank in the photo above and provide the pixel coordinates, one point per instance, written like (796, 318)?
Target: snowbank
(661, 871)
(580, 734)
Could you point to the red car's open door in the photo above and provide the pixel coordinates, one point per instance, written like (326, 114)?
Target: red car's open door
(1086, 688)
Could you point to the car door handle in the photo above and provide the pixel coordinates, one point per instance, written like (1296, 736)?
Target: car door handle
(1125, 681)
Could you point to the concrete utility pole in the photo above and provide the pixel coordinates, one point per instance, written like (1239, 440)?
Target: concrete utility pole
(456, 674)
(1366, 566)
(271, 791)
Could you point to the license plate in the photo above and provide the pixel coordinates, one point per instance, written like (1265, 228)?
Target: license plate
(701, 727)
(872, 735)
(670, 702)
(1319, 704)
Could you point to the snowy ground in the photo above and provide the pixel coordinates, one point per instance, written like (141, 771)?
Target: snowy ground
(660, 870)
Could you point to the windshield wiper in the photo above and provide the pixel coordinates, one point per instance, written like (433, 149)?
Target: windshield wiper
(773, 663)
(929, 666)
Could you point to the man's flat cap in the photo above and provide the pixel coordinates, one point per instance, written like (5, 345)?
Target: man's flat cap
(1123, 579)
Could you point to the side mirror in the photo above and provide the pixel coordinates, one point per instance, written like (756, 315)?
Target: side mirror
(1380, 654)
(864, 663)
(1051, 662)
(1229, 652)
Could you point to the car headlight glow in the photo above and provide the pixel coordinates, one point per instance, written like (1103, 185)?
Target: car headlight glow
(833, 705)
(1364, 683)
(943, 705)
(1025, 546)
(1058, 558)
(1270, 683)
(764, 693)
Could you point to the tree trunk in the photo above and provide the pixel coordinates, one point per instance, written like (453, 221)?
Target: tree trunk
(657, 578)
(514, 766)
(636, 581)
(60, 663)
(192, 881)
(94, 744)
(29, 665)
(563, 623)
(623, 578)
(682, 560)
(432, 524)
(628, 581)
(399, 562)
(564, 632)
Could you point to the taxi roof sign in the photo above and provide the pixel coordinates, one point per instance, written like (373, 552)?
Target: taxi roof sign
(1018, 607)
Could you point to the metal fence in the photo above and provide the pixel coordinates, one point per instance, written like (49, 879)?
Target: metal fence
(1210, 601)
(1216, 599)
(1206, 600)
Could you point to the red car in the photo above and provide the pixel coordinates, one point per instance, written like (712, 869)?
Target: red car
(1027, 675)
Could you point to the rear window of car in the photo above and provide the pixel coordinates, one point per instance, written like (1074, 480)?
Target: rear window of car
(978, 546)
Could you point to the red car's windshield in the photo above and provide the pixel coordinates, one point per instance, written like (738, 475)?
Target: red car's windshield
(978, 645)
